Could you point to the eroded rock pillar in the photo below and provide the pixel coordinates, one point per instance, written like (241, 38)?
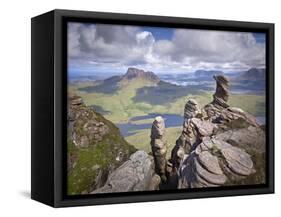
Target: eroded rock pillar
(187, 138)
(221, 95)
(159, 146)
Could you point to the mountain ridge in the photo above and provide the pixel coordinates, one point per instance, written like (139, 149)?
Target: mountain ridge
(113, 83)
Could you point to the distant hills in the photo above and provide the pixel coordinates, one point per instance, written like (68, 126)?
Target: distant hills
(252, 79)
(112, 84)
(147, 87)
(253, 74)
(137, 92)
(207, 73)
(135, 73)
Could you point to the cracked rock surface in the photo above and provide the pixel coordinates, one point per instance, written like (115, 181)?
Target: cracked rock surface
(136, 174)
(214, 163)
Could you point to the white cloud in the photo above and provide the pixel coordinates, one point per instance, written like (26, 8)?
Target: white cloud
(73, 40)
(123, 46)
(210, 48)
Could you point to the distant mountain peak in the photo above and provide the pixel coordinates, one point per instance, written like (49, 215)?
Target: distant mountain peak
(256, 70)
(139, 73)
(254, 73)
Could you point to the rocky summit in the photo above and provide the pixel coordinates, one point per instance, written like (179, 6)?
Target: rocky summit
(222, 145)
(95, 147)
(219, 145)
(83, 124)
(138, 73)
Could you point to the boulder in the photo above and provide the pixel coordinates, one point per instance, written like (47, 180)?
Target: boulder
(238, 161)
(136, 174)
(203, 128)
(210, 162)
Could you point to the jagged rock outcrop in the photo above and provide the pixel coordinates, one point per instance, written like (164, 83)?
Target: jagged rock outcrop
(241, 129)
(214, 163)
(136, 174)
(83, 124)
(220, 98)
(222, 90)
(187, 138)
(194, 129)
(221, 145)
(95, 147)
(159, 146)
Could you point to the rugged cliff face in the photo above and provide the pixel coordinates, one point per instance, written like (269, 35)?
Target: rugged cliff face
(219, 145)
(95, 148)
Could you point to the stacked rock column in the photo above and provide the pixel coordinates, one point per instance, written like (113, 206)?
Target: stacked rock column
(159, 146)
(220, 98)
(187, 138)
(221, 95)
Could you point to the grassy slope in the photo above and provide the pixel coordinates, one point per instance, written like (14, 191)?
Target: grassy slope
(144, 121)
(120, 104)
(254, 104)
(142, 137)
(122, 107)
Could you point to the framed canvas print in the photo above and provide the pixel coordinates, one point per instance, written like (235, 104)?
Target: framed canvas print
(134, 108)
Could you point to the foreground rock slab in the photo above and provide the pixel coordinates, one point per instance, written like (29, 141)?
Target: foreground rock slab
(136, 174)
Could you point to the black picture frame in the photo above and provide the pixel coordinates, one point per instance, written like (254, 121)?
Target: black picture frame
(49, 107)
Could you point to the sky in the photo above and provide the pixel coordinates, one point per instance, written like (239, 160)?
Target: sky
(104, 48)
